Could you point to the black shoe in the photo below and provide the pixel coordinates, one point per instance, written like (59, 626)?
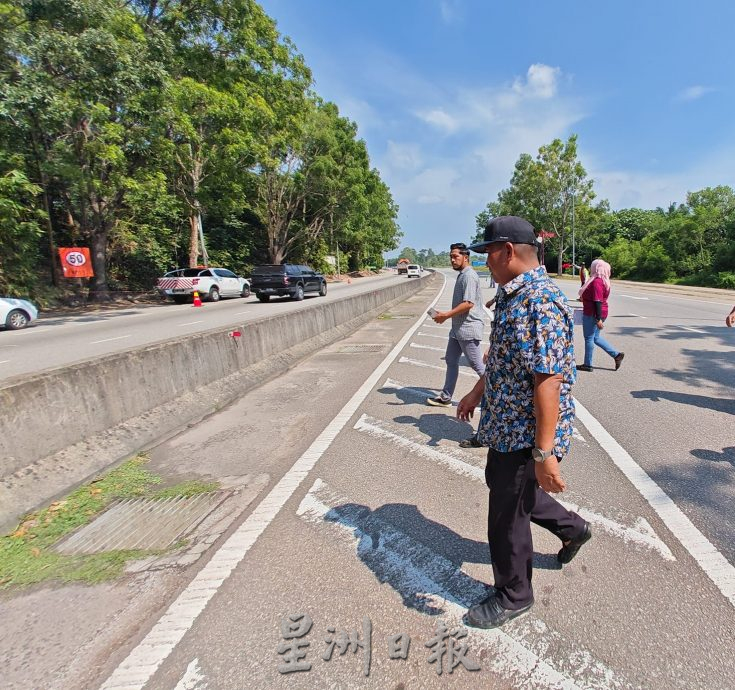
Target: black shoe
(439, 401)
(569, 551)
(490, 613)
(472, 442)
(618, 360)
(583, 367)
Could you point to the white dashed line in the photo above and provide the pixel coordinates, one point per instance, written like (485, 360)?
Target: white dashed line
(430, 335)
(639, 316)
(693, 330)
(427, 347)
(5, 361)
(714, 564)
(633, 297)
(109, 340)
(191, 323)
(417, 363)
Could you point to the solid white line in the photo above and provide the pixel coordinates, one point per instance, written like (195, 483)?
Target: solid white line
(109, 340)
(416, 363)
(639, 316)
(714, 564)
(191, 323)
(632, 297)
(644, 536)
(693, 330)
(427, 347)
(140, 665)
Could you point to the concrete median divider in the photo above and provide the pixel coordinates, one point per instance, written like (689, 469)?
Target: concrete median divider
(60, 427)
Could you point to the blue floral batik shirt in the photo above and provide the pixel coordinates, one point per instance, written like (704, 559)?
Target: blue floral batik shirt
(533, 332)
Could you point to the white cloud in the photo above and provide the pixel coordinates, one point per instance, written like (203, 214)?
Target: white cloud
(451, 11)
(541, 82)
(440, 119)
(693, 93)
(404, 156)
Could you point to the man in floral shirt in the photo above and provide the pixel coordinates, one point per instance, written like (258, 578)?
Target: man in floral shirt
(527, 418)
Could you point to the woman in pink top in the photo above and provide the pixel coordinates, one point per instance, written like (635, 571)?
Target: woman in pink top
(594, 294)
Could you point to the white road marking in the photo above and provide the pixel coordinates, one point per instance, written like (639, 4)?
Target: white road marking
(430, 335)
(433, 582)
(633, 297)
(438, 328)
(641, 535)
(427, 347)
(138, 667)
(4, 361)
(191, 323)
(693, 330)
(417, 363)
(419, 393)
(109, 340)
(714, 564)
(192, 678)
(639, 316)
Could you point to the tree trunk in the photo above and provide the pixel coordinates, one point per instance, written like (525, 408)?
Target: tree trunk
(98, 290)
(193, 238)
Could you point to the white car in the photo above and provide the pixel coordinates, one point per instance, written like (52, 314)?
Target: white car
(413, 271)
(210, 283)
(16, 313)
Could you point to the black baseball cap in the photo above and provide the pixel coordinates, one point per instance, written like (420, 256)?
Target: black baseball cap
(506, 229)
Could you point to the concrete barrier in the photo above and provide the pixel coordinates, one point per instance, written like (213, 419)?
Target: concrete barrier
(60, 427)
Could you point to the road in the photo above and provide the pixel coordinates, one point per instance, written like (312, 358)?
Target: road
(369, 519)
(55, 341)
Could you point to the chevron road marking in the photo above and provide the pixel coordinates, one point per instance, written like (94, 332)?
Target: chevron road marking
(417, 363)
(431, 583)
(642, 534)
(427, 347)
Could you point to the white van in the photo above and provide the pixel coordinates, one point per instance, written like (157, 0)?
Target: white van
(413, 270)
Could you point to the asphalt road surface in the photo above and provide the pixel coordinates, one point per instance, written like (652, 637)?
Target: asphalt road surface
(55, 341)
(370, 531)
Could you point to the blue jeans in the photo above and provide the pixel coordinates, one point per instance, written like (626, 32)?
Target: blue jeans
(455, 348)
(592, 337)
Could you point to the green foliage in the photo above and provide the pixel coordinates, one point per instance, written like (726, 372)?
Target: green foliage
(27, 556)
(127, 127)
(691, 242)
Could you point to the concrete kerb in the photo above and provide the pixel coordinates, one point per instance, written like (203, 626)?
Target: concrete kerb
(61, 427)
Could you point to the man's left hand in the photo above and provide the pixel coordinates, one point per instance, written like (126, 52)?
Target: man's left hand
(548, 476)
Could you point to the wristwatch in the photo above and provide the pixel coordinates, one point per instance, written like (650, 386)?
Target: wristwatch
(541, 455)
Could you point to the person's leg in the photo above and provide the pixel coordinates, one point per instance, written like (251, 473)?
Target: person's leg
(473, 351)
(451, 358)
(512, 482)
(551, 515)
(589, 330)
(601, 342)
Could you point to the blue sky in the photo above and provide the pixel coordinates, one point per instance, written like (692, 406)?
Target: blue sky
(448, 94)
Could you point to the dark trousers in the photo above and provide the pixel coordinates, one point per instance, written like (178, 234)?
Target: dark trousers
(516, 500)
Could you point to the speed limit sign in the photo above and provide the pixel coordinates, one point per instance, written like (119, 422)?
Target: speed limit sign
(75, 262)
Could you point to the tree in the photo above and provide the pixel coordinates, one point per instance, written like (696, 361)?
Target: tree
(549, 191)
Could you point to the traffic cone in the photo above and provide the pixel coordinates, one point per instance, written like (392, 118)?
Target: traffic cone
(197, 299)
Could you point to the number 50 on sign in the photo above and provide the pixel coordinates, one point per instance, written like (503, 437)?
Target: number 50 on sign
(75, 262)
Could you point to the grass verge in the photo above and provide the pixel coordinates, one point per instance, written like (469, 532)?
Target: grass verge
(27, 556)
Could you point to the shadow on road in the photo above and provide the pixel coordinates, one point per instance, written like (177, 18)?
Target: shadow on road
(421, 559)
(700, 401)
(438, 426)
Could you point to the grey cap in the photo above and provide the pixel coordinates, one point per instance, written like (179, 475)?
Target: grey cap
(506, 229)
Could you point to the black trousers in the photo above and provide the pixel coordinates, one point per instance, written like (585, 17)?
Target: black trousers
(516, 500)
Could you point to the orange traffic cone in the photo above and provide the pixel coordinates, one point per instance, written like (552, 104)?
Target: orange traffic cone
(197, 299)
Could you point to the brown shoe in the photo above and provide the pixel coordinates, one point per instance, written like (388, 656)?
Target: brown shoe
(618, 360)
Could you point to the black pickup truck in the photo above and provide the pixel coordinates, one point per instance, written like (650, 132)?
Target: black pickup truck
(281, 280)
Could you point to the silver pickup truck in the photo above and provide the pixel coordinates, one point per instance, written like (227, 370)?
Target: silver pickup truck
(210, 283)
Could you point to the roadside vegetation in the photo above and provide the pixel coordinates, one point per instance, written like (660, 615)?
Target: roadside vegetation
(691, 242)
(158, 133)
(27, 556)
